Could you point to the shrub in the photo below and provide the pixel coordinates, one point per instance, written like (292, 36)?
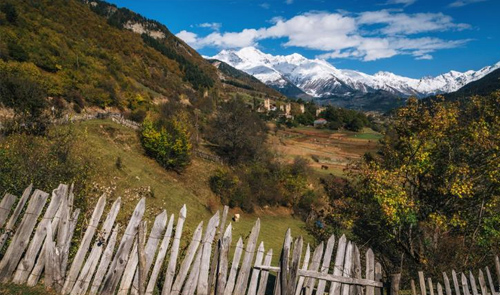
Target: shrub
(170, 147)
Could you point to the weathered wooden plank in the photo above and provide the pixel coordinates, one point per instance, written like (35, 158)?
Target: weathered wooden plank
(120, 259)
(65, 246)
(430, 285)
(282, 278)
(9, 227)
(315, 263)
(497, 268)
(150, 249)
(482, 283)
(52, 271)
(131, 268)
(395, 280)
(473, 285)
(465, 285)
(490, 280)
(161, 255)
(455, 282)
(83, 281)
(356, 269)
(421, 281)
(234, 268)
(206, 249)
(213, 266)
(326, 263)
(246, 264)
(188, 259)
(5, 207)
(332, 278)
(223, 262)
(439, 289)
(413, 288)
(347, 272)
(252, 287)
(20, 239)
(378, 278)
(264, 275)
(294, 269)
(104, 262)
(190, 287)
(141, 253)
(63, 252)
(370, 272)
(447, 285)
(305, 266)
(24, 268)
(174, 252)
(338, 268)
(84, 246)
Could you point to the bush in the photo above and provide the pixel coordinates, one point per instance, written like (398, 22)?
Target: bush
(10, 12)
(169, 146)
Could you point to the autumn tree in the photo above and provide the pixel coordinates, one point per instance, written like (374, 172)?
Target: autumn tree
(433, 186)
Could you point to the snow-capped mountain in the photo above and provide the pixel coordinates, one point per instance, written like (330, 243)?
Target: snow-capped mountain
(320, 79)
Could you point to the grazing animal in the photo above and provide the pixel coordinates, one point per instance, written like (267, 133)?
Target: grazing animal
(324, 167)
(236, 217)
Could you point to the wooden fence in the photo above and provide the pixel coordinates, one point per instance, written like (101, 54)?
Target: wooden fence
(133, 262)
(463, 283)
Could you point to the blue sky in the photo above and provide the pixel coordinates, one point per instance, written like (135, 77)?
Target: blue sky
(412, 38)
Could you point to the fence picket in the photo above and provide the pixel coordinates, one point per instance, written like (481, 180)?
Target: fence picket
(473, 284)
(191, 287)
(25, 267)
(315, 262)
(439, 289)
(174, 252)
(378, 277)
(305, 266)
(431, 286)
(188, 259)
(213, 275)
(84, 246)
(294, 269)
(252, 289)
(347, 272)
(490, 280)
(9, 227)
(131, 274)
(222, 266)
(234, 268)
(246, 264)
(141, 252)
(421, 281)
(5, 207)
(455, 282)
(20, 239)
(161, 256)
(465, 285)
(357, 290)
(107, 255)
(338, 268)
(282, 276)
(206, 249)
(83, 280)
(482, 283)
(119, 261)
(447, 285)
(370, 273)
(264, 275)
(326, 263)
(497, 268)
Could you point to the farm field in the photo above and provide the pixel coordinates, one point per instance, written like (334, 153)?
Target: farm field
(327, 148)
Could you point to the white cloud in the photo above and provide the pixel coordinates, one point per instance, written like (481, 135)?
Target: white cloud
(289, 2)
(460, 3)
(367, 36)
(404, 2)
(265, 5)
(212, 26)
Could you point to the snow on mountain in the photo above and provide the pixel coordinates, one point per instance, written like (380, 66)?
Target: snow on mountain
(319, 78)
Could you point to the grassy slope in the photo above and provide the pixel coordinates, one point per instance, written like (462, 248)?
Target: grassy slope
(108, 141)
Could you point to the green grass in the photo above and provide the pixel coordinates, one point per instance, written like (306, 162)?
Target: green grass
(367, 136)
(13, 289)
(108, 141)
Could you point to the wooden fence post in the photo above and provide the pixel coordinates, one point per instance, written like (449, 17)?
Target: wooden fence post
(394, 281)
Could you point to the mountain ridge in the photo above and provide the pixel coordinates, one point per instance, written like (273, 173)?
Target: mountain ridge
(321, 80)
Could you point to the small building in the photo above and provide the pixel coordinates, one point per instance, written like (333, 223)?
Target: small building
(320, 122)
